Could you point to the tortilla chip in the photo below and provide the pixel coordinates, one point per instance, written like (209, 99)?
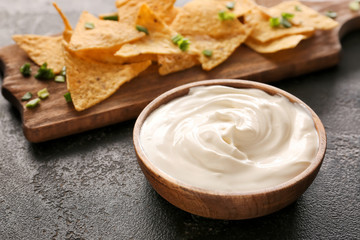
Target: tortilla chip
(107, 56)
(91, 82)
(304, 16)
(275, 45)
(67, 35)
(104, 35)
(128, 9)
(263, 32)
(63, 17)
(201, 17)
(68, 29)
(199, 22)
(171, 15)
(157, 42)
(176, 62)
(43, 49)
(221, 48)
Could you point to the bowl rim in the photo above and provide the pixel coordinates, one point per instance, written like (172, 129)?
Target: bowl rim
(173, 93)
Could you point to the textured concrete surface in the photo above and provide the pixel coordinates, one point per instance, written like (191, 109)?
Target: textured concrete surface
(89, 186)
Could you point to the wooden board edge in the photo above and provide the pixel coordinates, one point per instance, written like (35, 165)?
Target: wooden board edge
(101, 119)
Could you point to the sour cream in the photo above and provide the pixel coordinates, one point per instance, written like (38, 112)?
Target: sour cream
(230, 140)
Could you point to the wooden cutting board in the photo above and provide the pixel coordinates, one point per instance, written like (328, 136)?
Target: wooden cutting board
(55, 118)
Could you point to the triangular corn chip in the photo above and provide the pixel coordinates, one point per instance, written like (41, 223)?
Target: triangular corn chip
(90, 82)
(158, 41)
(104, 34)
(201, 17)
(128, 9)
(199, 21)
(263, 31)
(221, 48)
(43, 49)
(275, 45)
(303, 15)
(171, 15)
(176, 62)
(68, 31)
(107, 56)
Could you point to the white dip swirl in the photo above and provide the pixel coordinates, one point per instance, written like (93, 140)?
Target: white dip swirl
(230, 140)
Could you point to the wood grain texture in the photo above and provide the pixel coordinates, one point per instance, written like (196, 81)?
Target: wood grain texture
(55, 118)
(232, 206)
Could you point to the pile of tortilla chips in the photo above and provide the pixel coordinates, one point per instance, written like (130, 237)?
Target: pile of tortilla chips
(101, 55)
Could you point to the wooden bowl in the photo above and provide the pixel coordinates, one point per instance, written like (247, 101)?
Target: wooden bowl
(212, 204)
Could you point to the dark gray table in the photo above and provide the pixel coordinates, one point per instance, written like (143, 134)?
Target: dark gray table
(89, 186)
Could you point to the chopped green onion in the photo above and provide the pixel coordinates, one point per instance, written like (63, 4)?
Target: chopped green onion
(67, 97)
(274, 22)
(27, 96)
(176, 39)
(182, 42)
(142, 29)
(223, 15)
(33, 103)
(43, 93)
(207, 53)
(285, 23)
(44, 72)
(331, 14)
(354, 5)
(26, 70)
(59, 79)
(63, 71)
(230, 5)
(297, 8)
(287, 15)
(111, 17)
(89, 25)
